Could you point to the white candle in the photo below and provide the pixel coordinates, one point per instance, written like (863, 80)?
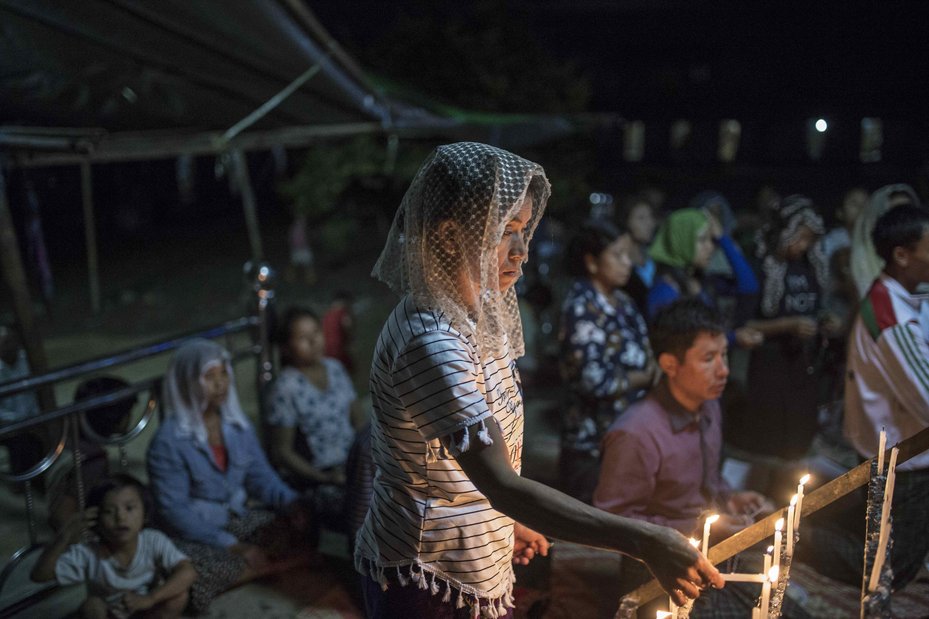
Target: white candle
(790, 525)
(803, 482)
(882, 445)
(663, 614)
(767, 559)
(706, 531)
(885, 519)
(778, 526)
(766, 590)
(734, 577)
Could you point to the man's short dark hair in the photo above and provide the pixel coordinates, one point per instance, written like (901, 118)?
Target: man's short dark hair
(593, 237)
(901, 226)
(676, 326)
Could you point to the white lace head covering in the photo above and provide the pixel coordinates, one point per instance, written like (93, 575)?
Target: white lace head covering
(865, 263)
(453, 268)
(184, 398)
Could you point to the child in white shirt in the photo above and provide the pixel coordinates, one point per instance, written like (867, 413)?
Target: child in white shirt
(130, 571)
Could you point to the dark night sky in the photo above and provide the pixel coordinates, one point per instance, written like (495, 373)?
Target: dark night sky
(679, 58)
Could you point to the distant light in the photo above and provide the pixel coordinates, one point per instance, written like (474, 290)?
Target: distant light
(595, 198)
(822, 125)
(129, 95)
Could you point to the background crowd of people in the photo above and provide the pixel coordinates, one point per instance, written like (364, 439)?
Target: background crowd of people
(759, 308)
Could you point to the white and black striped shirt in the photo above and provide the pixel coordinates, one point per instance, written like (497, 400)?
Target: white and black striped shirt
(427, 382)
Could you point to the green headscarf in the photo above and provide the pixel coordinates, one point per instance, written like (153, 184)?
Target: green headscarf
(676, 241)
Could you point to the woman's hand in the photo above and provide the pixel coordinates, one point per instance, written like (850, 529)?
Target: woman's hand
(681, 569)
(748, 337)
(528, 544)
(803, 327)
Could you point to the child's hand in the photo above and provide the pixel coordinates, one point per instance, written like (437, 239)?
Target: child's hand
(134, 603)
(75, 525)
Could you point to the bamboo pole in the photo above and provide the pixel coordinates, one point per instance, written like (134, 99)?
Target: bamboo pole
(14, 277)
(814, 501)
(90, 235)
(243, 180)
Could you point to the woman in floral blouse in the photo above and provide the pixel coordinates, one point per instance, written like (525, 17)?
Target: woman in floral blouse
(606, 360)
(310, 409)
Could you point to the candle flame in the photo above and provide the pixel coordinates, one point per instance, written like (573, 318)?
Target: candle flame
(804, 479)
(770, 549)
(712, 519)
(779, 524)
(773, 573)
(694, 542)
(793, 500)
(662, 614)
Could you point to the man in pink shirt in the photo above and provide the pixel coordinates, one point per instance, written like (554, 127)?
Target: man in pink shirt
(661, 457)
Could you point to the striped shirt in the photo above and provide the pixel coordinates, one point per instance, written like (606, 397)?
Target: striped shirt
(888, 371)
(426, 517)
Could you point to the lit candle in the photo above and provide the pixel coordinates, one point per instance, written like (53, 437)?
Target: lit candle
(766, 590)
(706, 531)
(803, 482)
(882, 445)
(778, 526)
(767, 559)
(885, 518)
(790, 525)
(663, 614)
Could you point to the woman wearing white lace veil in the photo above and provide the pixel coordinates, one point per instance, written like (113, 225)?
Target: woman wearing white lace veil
(439, 538)
(207, 469)
(865, 263)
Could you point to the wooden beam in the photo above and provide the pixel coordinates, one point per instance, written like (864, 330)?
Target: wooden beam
(812, 502)
(15, 278)
(148, 146)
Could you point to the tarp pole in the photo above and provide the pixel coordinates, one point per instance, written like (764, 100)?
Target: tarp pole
(90, 235)
(240, 169)
(15, 279)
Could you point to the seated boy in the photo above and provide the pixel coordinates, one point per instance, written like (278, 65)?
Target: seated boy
(130, 571)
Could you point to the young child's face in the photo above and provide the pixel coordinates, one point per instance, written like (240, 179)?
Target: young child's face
(122, 515)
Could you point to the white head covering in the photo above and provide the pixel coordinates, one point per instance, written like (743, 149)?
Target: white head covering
(479, 189)
(865, 263)
(184, 398)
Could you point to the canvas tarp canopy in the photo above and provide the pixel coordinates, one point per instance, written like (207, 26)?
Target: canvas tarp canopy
(127, 79)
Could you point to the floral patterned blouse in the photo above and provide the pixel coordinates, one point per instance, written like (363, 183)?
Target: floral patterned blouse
(601, 340)
(322, 415)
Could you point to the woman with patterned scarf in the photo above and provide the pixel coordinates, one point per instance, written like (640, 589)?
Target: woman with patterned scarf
(439, 539)
(782, 384)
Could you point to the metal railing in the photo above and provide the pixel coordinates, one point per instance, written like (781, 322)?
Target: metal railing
(69, 422)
